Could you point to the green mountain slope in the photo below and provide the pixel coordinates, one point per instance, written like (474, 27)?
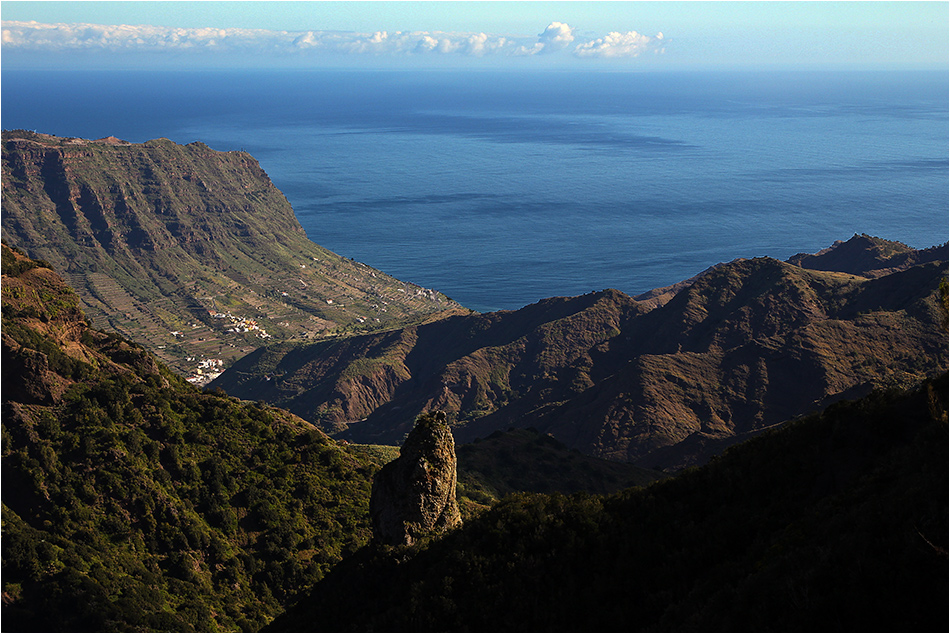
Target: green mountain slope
(662, 382)
(132, 501)
(158, 238)
(836, 522)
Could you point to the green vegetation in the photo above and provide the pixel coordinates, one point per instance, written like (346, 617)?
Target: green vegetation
(378, 454)
(170, 510)
(132, 501)
(837, 522)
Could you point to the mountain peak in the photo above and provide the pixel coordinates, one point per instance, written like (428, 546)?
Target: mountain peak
(867, 256)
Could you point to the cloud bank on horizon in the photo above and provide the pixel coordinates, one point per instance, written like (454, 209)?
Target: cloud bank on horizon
(557, 37)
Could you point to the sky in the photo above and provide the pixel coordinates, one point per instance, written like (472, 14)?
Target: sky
(517, 34)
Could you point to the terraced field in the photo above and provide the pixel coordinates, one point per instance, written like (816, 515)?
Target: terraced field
(158, 238)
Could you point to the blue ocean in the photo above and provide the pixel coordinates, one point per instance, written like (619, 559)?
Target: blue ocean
(503, 188)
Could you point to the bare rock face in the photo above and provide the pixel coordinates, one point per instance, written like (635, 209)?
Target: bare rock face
(414, 494)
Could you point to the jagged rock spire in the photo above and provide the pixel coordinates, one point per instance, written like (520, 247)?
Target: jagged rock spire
(414, 494)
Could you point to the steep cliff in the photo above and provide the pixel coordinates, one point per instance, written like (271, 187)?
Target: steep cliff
(667, 381)
(190, 251)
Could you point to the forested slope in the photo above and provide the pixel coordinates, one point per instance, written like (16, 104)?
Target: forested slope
(132, 501)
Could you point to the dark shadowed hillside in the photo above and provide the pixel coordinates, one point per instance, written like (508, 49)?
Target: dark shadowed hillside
(665, 381)
(132, 501)
(189, 251)
(836, 522)
(523, 460)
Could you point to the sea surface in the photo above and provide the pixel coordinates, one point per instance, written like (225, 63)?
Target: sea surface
(503, 188)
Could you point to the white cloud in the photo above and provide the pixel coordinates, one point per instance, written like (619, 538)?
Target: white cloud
(557, 36)
(614, 44)
(426, 44)
(305, 40)
(62, 37)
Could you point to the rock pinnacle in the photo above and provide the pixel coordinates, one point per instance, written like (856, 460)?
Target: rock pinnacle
(414, 495)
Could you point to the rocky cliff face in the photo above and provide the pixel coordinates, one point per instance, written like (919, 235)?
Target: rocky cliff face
(190, 251)
(660, 382)
(414, 495)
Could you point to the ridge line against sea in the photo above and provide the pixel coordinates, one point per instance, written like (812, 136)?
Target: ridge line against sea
(500, 188)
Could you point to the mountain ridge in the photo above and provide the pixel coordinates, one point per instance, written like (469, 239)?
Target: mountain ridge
(867, 256)
(621, 378)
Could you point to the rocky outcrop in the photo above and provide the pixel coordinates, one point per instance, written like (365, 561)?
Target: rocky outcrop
(414, 495)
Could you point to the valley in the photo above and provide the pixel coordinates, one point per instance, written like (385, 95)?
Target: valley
(134, 501)
(198, 402)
